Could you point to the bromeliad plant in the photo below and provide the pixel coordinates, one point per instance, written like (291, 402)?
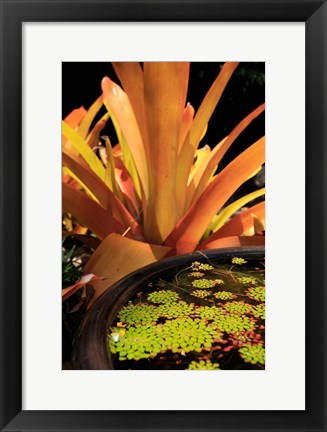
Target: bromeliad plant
(155, 192)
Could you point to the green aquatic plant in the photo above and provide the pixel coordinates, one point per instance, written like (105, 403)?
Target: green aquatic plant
(175, 310)
(196, 265)
(196, 274)
(139, 314)
(206, 283)
(137, 342)
(219, 282)
(205, 267)
(253, 353)
(201, 293)
(203, 365)
(238, 261)
(172, 326)
(179, 335)
(163, 296)
(259, 311)
(247, 280)
(209, 312)
(224, 320)
(241, 338)
(224, 295)
(239, 308)
(232, 323)
(256, 293)
(187, 334)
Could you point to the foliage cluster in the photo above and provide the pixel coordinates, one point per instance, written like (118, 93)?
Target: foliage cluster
(164, 296)
(203, 365)
(256, 293)
(178, 335)
(172, 325)
(238, 261)
(224, 295)
(139, 314)
(201, 293)
(253, 353)
(247, 280)
(157, 190)
(238, 307)
(206, 283)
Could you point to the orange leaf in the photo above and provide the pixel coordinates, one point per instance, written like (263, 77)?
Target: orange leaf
(238, 225)
(106, 197)
(210, 102)
(120, 105)
(85, 125)
(87, 176)
(75, 117)
(83, 149)
(202, 176)
(94, 136)
(127, 187)
(187, 121)
(89, 213)
(131, 77)
(165, 88)
(202, 117)
(118, 256)
(190, 229)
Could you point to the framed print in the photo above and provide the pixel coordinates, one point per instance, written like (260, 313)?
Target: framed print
(40, 41)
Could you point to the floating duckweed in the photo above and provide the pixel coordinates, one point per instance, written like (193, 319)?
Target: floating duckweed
(224, 295)
(219, 282)
(137, 343)
(196, 274)
(203, 365)
(205, 267)
(232, 323)
(239, 261)
(175, 310)
(259, 311)
(206, 283)
(196, 265)
(201, 293)
(253, 353)
(163, 296)
(168, 326)
(241, 338)
(239, 308)
(208, 312)
(247, 280)
(139, 314)
(187, 334)
(257, 293)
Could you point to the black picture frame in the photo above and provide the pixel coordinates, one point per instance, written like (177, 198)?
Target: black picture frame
(13, 14)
